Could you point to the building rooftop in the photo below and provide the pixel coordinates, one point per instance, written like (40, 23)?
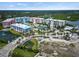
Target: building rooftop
(37, 18)
(49, 19)
(21, 26)
(21, 17)
(68, 28)
(55, 20)
(59, 20)
(7, 20)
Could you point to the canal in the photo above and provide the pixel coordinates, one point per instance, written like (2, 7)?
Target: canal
(6, 35)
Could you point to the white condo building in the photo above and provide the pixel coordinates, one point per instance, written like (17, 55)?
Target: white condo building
(58, 22)
(55, 22)
(50, 22)
(20, 27)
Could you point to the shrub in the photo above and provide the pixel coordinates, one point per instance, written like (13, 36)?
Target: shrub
(35, 51)
(22, 47)
(72, 45)
(1, 27)
(3, 41)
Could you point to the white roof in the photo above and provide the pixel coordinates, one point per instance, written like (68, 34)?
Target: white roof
(21, 26)
(55, 20)
(59, 20)
(37, 18)
(7, 20)
(68, 28)
(49, 19)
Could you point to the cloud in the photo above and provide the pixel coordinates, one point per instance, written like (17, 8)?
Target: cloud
(11, 5)
(15, 8)
(21, 4)
(40, 6)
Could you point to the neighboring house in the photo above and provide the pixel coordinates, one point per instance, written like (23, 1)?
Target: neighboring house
(36, 20)
(20, 28)
(8, 22)
(22, 19)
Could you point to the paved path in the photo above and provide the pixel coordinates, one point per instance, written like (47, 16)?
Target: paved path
(59, 40)
(5, 50)
(11, 46)
(62, 40)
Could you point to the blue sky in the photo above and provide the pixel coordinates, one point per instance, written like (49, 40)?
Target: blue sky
(39, 5)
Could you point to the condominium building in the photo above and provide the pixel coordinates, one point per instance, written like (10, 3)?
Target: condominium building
(20, 28)
(22, 19)
(53, 23)
(50, 22)
(58, 22)
(8, 22)
(36, 20)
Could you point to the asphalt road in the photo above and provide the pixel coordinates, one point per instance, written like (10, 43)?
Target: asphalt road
(4, 52)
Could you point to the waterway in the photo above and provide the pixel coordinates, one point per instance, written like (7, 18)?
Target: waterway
(76, 23)
(7, 36)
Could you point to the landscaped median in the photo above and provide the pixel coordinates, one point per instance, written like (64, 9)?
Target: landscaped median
(28, 49)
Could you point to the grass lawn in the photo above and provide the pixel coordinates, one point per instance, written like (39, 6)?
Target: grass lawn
(29, 49)
(23, 53)
(3, 43)
(15, 32)
(1, 27)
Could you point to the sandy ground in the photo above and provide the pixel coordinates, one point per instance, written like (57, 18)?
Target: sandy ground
(59, 48)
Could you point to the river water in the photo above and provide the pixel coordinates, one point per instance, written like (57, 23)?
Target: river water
(74, 23)
(7, 36)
